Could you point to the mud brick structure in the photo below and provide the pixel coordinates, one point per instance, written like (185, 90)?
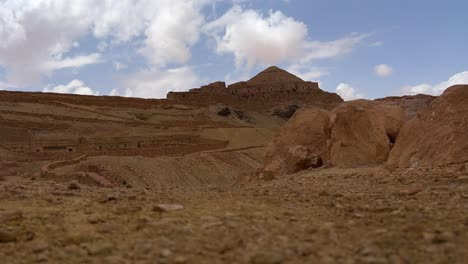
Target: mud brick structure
(270, 86)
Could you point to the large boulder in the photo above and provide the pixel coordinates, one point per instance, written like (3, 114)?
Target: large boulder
(437, 136)
(302, 143)
(362, 132)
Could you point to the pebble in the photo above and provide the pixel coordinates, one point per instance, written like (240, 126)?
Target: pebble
(180, 259)
(106, 228)
(15, 215)
(267, 258)
(167, 207)
(94, 219)
(40, 246)
(7, 237)
(74, 185)
(99, 248)
(107, 198)
(165, 252)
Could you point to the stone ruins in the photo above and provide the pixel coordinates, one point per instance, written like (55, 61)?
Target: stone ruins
(272, 85)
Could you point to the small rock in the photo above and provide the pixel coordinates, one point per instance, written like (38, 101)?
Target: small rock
(165, 252)
(413, 191)
(40, 246)
(15, 215)
(94, 219)
(463, 178)
(106, 228)
(99, 248)
(267, 258)
(74, 185)
(180, 259)
(107, 198)
(7, 237)
(167, 207)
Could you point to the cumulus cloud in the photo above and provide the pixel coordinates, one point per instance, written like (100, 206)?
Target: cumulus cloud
(347, 92)
(383, 70)
(155, 83)
(254, 38)
(73, 87)
(437, 89)
(36, 35)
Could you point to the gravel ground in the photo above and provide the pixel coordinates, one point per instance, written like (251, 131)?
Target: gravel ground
(318, 216)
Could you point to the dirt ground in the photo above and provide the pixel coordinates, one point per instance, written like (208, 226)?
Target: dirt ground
(318, 216)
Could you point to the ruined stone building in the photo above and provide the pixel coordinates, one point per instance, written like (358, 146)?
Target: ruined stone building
(270, 86)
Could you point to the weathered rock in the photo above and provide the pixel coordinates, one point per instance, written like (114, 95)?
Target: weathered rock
(267, 258)
(7, 237)
(300, 144)
(99, 248)
(74, 185)
(224, 112)
(362, 132)
(167, 207)
(14, 215)
(412, 104)
(437, 136)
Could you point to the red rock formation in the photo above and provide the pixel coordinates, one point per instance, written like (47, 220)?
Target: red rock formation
(357, 133)
(362, 132)
(438, 135)
(300, 144)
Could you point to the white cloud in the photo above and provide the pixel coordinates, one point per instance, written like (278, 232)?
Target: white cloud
(347, 92)
(75, 62)
(376, 44)
(36, 35)
(383, 70)
(73, 87)
(459, 78)
(155, 83)
(254, 38)
(173, 30)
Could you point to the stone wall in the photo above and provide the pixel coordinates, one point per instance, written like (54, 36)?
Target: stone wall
(125, 146)
(242, 93)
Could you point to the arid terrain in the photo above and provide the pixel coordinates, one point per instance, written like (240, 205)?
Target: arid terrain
(271, 170)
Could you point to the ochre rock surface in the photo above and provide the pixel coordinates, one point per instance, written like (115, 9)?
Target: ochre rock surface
(362, 132)
(301, 143)
(356, 133)
(438, 136)
(412, 104)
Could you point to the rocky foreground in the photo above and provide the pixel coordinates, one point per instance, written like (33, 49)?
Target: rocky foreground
(315, 216)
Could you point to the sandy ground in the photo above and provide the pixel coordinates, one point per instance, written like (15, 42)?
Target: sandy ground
(318, 216)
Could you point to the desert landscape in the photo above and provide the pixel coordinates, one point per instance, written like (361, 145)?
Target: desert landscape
(271, 170)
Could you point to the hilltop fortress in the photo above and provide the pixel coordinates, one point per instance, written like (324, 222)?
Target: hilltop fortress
(270, 86)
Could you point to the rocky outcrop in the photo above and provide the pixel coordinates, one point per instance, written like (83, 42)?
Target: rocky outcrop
(438, 135)
(362, 132)
(412, 104)
(357, 133)
(300, 144)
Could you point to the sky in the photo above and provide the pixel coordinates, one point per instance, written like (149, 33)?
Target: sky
(146, 48)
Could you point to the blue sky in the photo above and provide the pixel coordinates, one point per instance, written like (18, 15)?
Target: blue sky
(145, 48)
